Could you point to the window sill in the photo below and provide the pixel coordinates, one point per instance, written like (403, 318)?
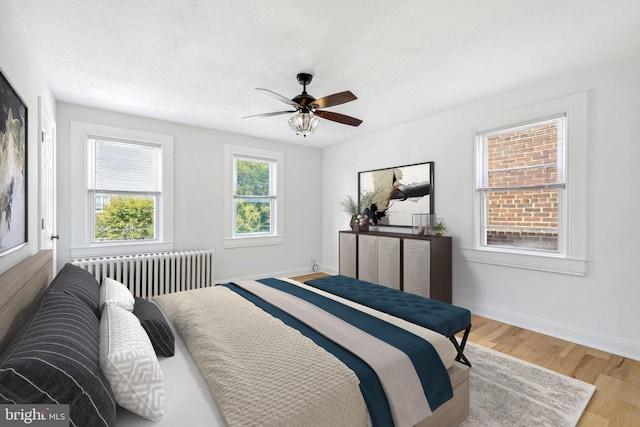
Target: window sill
(551, 264)
(112, 249)
(246, 242)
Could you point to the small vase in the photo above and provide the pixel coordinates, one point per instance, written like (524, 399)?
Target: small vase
(353, 223)
(438, 233)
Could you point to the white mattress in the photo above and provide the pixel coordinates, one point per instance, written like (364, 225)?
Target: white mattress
(188, 401)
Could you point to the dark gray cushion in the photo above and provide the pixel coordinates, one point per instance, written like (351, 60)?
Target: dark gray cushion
(156, 326)
(55, 359)
(78, 282)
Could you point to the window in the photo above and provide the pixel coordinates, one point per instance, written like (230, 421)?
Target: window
(101, 202)
(531, 187)
(254, 197)
(128, 175)
(122, 186)
(521, 185)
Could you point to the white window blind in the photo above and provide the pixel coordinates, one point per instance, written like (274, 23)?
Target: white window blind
(123, 167)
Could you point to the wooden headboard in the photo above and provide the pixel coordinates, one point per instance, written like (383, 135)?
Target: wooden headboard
(20, 290)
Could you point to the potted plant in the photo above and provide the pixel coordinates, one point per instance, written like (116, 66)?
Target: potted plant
(439, 228)
(350, 207)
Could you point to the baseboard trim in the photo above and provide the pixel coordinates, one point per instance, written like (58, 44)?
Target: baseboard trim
(329, 270)
(592, 339)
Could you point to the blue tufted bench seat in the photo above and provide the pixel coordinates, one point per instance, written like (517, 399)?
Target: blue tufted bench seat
(436, 315)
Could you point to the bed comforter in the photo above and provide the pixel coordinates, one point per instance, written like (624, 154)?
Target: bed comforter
(223, 330)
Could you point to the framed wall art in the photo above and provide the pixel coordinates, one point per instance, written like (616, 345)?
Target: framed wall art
(391, 196)
(13, 168)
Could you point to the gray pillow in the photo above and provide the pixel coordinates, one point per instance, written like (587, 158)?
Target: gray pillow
(55, 359)
(156, 326)
(78, 282)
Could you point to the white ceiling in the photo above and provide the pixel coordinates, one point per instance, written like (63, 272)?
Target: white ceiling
(197, 62)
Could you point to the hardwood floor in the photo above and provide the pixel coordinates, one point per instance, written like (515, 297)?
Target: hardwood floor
(310, 276)
(616, 401)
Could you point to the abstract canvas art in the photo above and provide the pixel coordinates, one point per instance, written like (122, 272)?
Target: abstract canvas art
(392, 195)
(13, 168)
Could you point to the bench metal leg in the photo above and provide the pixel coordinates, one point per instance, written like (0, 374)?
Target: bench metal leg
(460, 346)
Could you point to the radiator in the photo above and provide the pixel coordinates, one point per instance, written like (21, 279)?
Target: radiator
(148, 275)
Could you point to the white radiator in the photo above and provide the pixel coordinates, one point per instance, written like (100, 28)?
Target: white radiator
(148, 275)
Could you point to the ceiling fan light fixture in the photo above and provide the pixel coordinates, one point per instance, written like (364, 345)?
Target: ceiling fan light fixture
(308, 108)
(303, 123)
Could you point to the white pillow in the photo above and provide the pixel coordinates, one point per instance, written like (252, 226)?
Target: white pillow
(129, 363)
(114, 292)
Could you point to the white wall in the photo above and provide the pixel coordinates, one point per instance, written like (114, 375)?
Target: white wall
(19, 66)
(198, 195)
(601, 309)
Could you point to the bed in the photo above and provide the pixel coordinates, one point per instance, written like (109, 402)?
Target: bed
(187, 395)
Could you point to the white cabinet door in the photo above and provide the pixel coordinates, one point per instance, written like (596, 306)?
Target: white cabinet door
(389, 262)
(368, 258)
(416, 266)
(348, 254)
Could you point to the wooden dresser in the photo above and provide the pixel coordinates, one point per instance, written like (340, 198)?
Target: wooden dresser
(417, 264)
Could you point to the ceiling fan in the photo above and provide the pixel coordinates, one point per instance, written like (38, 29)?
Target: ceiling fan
(307, 108)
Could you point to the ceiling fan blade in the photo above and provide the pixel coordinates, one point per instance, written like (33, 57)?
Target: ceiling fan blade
(335, 99)
(337, 117)
(275, 113)
(280, 97)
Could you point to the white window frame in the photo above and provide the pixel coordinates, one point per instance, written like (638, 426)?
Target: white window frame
(482, 141)
(276, 237)
(82, 215)
(572, 256)
(272, 197)
(155, 194)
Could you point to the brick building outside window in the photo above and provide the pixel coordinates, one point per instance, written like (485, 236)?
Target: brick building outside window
(521, 182)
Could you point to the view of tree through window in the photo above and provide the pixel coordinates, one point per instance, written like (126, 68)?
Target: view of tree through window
(253, 197)
(125, 217)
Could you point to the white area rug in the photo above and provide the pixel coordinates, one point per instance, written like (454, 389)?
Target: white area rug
(506, 391)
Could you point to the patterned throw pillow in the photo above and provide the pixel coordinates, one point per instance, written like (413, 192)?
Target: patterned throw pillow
(114, 292)
(156, 326)
(129, 363)
(54, 359)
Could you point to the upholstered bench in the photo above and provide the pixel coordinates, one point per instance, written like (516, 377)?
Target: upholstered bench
(436, 315)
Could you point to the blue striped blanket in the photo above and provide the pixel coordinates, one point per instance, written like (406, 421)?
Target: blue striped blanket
(432, 373)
